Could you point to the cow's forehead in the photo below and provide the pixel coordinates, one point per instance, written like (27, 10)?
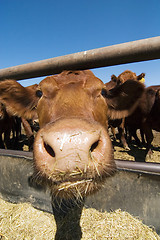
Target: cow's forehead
(85, 78)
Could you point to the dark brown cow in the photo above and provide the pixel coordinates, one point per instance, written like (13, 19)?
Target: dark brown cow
(72, 149)
(2, 117)
(146, 116)
(113, 83)
(6, 126)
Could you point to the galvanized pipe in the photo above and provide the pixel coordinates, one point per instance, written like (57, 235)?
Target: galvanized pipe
(145, 167)
(136, 51)
(142, 167)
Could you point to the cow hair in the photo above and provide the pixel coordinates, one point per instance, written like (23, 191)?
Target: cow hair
(12, 91)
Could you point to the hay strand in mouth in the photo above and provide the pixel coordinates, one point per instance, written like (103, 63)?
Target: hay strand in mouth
(69, 185)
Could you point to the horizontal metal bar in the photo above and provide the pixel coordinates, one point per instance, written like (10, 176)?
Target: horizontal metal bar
(144, 167)
(16, 153)
(136, 51)
(121, 164)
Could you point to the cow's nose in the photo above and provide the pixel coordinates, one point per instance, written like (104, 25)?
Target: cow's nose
(75, 146)
(72, 147)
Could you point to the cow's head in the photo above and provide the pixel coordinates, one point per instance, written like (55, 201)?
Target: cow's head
(126, 75)
(72, 149)
(123, 77)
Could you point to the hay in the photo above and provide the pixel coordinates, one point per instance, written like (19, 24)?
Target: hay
(23, 222)
(115, 225)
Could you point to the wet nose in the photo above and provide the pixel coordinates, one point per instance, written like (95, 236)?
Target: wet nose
(72, 145)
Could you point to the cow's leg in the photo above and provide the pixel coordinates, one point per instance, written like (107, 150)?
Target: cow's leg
(149, 138)
(1, 142)
(142, 136)
(134, 134)
(67, 214)
(7, 140)
(113, 130)
(29, 133)
(18, 128)
(122, 135)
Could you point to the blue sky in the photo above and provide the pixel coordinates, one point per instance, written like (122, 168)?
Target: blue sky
(34, 30)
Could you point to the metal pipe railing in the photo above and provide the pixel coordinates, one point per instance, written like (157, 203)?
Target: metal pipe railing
(136, 51)
(149, 167)
(145, 167)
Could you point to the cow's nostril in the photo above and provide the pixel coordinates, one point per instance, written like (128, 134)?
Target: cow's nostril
(49, 150)
(94, 146)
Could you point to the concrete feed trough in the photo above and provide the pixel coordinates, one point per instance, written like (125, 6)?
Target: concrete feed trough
(135, 188)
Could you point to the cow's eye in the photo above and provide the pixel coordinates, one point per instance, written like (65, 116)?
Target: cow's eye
(39, 93)
(103, 92)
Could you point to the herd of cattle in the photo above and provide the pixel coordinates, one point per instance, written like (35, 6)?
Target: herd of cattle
(72, 150)
(143, 115)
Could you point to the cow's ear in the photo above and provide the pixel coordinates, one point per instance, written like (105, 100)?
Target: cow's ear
(18, 100)
(139, 77)
(114, 78)
(123, 99)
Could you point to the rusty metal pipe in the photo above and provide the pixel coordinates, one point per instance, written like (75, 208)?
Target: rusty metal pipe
(136, 51)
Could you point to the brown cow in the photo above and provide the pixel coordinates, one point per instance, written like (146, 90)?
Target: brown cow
(113, 83)
(72, 113)
(11, 117)
(146, 116)
(72, 149)
(28, 124)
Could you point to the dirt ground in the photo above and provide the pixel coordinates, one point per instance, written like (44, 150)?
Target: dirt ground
(138, 153)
